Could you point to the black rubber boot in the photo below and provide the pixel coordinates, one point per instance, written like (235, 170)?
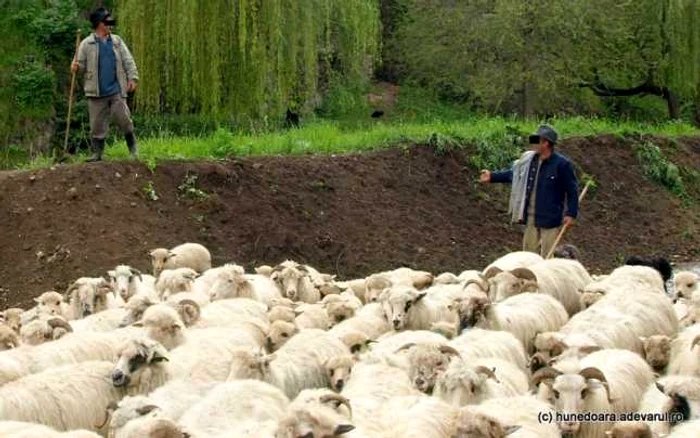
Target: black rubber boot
(131, 144)
(98, 147)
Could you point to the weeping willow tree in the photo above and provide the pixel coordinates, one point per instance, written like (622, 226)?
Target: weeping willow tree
(247, 59)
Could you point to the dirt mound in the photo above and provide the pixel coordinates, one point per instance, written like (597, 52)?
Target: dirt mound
(348, 215)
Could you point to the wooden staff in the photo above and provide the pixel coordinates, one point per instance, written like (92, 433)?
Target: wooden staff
(566, 226)
(70, 96)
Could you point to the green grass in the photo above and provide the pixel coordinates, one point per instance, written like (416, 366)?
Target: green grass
(328, 137)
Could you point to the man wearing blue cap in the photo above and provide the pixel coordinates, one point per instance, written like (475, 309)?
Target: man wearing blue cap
(543, 184)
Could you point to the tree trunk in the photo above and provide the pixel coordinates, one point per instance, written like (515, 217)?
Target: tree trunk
(674, 111)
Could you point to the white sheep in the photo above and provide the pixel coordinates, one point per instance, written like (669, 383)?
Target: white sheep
(312, 316)
(232, 282)
(672, 394)
(478, 343)
(297, 365)
(685, 353)
(104, 321)
(406, 308)
(446, 278)
(128, 281)
(607, 381)
(88, 296)
(232, 405)
(376, 283)
(467, 382)
(134, 309)
(339, 370)
(515, 417)
(76, 396)
(514, 260)
(295, 282)
(657, 351)
(426, 363)
(562, 279)
(280, 332)
(686, 430)
(314, 413)
(222, 313)
(187, 255)
(174, 281)
(368, 320)
(49, 303)
(628, 279)
(340, 307)
(281, 313)
(524, 315)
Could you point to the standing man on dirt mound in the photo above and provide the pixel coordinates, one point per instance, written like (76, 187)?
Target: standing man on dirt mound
(543, 183)
(110, 73)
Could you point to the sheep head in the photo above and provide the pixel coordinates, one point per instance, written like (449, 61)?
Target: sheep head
(280, 332)
(49, 303)
(686, 284)
(163, 324)
(134, 361)
(230, 283)
(339, 311)
(8, 338)
(508, 283)
(159, 257)
(338, 370)
(473, 311)
(291, 278)
(657, 350)
(88, 296)
(427, 362)
(356, 341)
(591, 296)
(462, 385)
(471, 423)
(314, 419)
(122, 277)
(281, 313)
(135, 307)
(397, 302)
(128, 409)
(12, 318)
(374, 286)
(568, 392)
(189, 311)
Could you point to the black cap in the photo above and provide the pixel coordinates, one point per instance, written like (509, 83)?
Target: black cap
(546, 132)
(99, 16)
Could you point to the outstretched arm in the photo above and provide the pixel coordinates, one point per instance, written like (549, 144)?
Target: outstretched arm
(505, 176)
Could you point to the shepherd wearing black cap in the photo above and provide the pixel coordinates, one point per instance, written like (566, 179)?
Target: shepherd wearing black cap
(110, 73)
(543, 184)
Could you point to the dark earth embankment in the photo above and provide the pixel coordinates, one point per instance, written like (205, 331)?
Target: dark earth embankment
(347, 215)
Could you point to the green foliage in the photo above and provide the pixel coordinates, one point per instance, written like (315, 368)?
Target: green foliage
(189, 188)
(659, 169)
(246, 60)
(34, 85)
(498, 150)
(149, 191)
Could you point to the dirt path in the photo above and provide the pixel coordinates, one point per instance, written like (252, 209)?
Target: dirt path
(347, 215)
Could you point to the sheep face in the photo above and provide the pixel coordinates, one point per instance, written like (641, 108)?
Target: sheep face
(45, 329)
(397, 303)
(163, 324)
(228, 284)
(427, 363)
(290, 278)
(568, 393)
(509, 283)
(356, 341)
(477, 425)
(630, 430)
(131, 408)
(49, 303)
(374, 286)
(136, 306)
(590, 297)
(657, 351)
(280, 333)
(8, 338)
(281, 313)
(89, 296)
(472, 311)
(122, 277)
(250, 364)
(686, 283)
(12, 318)
(159, 257)
(461, 385)
(133, 362)
(338, 370)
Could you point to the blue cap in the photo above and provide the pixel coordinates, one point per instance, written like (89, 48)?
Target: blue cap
(546, 132)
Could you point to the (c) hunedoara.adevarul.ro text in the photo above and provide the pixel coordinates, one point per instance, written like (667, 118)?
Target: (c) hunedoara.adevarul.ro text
(608, 417)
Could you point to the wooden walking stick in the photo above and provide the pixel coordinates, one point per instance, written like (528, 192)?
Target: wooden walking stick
(70, 96)
(566, 226)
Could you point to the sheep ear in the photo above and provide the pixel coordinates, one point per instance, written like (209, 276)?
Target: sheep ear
(491, 272)
(511, 429)
(169, 255)
(159, 357)
(111, 274)
(343, 428)
(695, 342)
(660, 387)
(524, 273)
(588, 349)
(37, 300)
(143, 410)
(419, 297)
(137, 324)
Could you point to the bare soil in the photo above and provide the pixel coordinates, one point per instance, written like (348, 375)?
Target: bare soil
(348, 215)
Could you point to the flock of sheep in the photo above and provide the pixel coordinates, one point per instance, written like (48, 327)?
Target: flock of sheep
(288, 352)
